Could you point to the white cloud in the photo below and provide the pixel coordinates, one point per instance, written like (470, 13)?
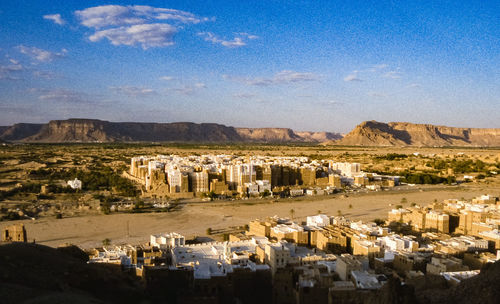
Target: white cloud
(56, 18)
(287, 76)
(283, 77)
(328, 103)
(380, 66)
(249, 36)
(236, 42)
(413, 85)
(393, 75)
(44, 74)
(377, 94)
(352, 77)
(376, 68)
(244, 95)
(61, 95)
(188, 89)
(147, 35)
(133, 25)
(167, 78)
(9, 72)
(40, 55)
(117, 15)
(132, 91)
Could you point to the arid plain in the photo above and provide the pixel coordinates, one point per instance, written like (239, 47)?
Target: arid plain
(192, 218)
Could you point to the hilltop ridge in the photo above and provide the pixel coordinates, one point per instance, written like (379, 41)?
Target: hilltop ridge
(367, 133)
(93, 130)
(374, 133)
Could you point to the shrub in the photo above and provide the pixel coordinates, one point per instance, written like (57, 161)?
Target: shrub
(379, 222)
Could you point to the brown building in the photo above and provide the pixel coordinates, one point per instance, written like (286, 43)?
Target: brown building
(437, 222)
(259, 228)
(14, 233)
(308, 176)
(218, 187)
(467, 218)
(331, 239)
(405, 261)
(335, 180)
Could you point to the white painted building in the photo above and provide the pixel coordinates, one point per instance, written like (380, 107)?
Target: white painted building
(167, 240)
(319, 220)
(75, 184)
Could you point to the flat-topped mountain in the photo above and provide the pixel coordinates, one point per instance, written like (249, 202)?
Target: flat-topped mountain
(92, 130)
(19, 131)
(368, 133)
(373, 133)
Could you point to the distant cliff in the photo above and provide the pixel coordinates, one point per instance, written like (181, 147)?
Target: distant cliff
(284, 135)
(19, 131)
(373, 133)
(368, 133)
(92, 130)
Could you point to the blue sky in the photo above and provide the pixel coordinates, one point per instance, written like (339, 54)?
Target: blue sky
(307, 65)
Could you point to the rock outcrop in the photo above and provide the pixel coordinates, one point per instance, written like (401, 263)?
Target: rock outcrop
(19, 131)
(373, 133)
(92, 130)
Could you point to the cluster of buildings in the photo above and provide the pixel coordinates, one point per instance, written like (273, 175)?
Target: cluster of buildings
(231, 175)
(479, 218)
(323, 259)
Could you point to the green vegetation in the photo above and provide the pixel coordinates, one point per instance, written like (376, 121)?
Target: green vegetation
(96, 178)
(212, 195)
(379, 222)
(26, 188)
(459, 165)
(266, 193)
(106, 202)
(392, 156)
(425, 178)
(11, 216)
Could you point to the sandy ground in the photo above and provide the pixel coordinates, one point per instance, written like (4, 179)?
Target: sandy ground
(194, 219)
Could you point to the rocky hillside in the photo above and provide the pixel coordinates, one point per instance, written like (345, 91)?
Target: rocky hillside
(91, 130)
(373, 133)
(268, 134)
(319, 136)
(19, 131)
(33, 273)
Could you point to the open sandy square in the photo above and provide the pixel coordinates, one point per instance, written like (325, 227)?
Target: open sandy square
(194, 219)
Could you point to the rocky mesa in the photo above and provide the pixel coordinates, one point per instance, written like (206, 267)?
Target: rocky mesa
(373, 133)
(93, 130)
